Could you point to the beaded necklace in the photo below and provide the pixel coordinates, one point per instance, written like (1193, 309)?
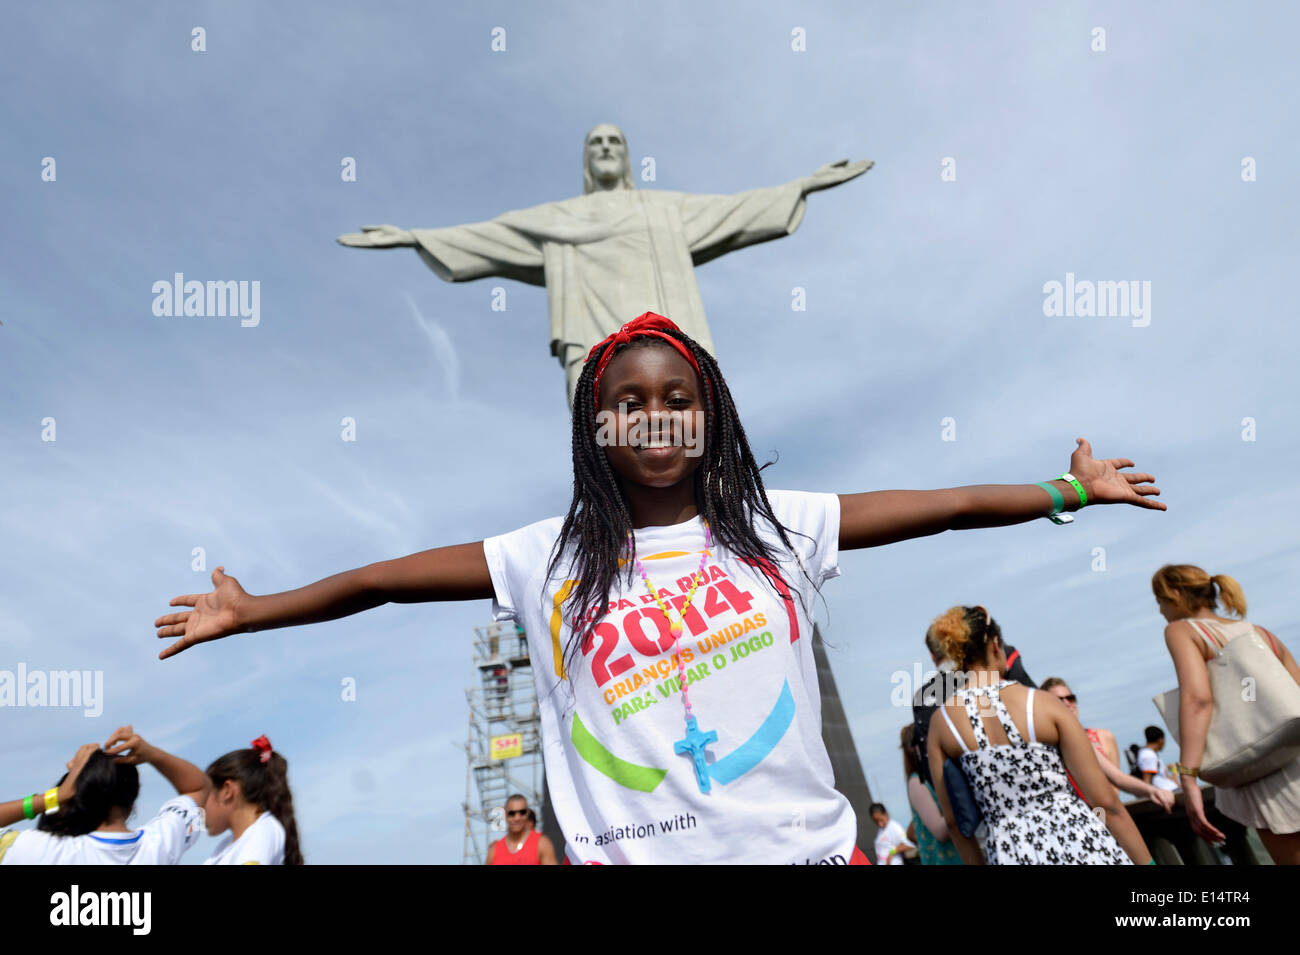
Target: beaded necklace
(695, 739)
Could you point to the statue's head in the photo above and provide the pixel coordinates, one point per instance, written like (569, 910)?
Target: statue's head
(605, 163)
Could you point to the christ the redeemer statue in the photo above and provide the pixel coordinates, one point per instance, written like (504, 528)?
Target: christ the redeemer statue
(615, 252)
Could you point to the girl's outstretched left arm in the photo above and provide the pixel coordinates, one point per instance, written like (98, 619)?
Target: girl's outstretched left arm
(884, 517)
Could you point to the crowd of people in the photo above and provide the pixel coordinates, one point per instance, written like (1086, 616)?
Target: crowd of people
(243, 796)
(1001, 771)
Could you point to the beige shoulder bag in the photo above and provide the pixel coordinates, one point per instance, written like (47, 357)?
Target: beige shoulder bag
(1255, 727)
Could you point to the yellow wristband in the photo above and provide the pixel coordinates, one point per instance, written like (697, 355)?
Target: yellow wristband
(52, 800)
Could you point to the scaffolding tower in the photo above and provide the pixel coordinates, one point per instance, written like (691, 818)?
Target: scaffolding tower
(503, 750)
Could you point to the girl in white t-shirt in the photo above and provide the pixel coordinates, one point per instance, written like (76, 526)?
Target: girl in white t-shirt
(83, 820)
(251, 803)
(668, 612)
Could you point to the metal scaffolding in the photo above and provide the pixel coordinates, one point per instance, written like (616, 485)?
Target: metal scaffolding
(503, 751)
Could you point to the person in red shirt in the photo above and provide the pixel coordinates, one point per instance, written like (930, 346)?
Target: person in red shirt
(522, 844)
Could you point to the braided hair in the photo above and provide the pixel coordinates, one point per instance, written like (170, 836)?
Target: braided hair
(728, 492)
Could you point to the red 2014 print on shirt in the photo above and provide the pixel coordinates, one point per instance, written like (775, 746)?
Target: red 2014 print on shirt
(646, 628)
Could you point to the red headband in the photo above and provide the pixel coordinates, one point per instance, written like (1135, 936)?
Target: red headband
(263, 746)
(647, 323)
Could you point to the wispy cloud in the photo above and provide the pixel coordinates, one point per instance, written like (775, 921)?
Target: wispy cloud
(444, 352)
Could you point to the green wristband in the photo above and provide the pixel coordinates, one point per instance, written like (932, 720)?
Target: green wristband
(28, 811)
(1152, 862)
(1074, 482)
(1058, 502)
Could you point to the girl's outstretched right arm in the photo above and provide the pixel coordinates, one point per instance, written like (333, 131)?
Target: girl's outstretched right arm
(459, 572)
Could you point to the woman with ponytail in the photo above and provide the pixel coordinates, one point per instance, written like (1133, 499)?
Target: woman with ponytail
(251, 803)
(83, 819)
(668, 612)
(1188, 597)
(1016, 747)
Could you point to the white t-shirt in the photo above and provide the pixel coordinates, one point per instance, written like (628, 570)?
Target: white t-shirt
(620, 791)
(160, 841)
(1149, 762)
(890, 836)
(261, 844)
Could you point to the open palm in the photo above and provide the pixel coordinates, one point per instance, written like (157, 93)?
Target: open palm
(212, 618)
(1105, 484)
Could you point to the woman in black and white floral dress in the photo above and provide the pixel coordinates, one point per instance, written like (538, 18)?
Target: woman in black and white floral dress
(1017, 766)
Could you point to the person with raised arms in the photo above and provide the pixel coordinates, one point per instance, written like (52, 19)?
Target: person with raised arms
(83, 820)
(669, 612)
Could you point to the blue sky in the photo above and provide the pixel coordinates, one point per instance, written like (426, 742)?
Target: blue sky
(924, 302)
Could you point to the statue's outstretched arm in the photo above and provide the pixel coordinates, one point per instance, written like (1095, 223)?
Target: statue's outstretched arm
(378, 237)
(835, 173)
